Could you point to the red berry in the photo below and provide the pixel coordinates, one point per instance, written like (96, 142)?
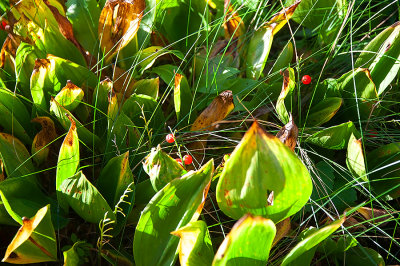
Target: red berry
(179, 160)
(187, 159)
(306, 79)
(170, 138)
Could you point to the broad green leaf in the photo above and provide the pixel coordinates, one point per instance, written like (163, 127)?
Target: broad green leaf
(284, 58)
(323, 111)
(161, 168)
(70, 96)
(24, 64)
(149, 55)
(261, 41)
(118, 24)
(182, 97)
(173, 207)
(64, 118)
(310, 242)
(100, 104)
(358, 82)
(287, 88)
(144, 192)
(84, 17)
(335, 138)
(147, 87)
(258, 51)
(116, 258)
(123, 135)
(15, 157)
(355, 158)
(247, 186)
(50, 76)
(382, 57)
(384, 172)
(115, 178)
(323, 16)
(195, 246)
(35, 241)
(15, 118)
(362, 256)
(85, 199)
(68, 161)
(248, 243)
(144, 111)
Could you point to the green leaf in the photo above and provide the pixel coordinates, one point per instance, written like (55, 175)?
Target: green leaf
(358, 82)
(195, 246)
(335, 138)
(310, 242)
(382, 57)
(72, 256)
(68, 161)
(16, 158)
(70, 96)
(50, 75)
(144, 111)
(324, 16)
(15, 118)
(258, 51)
(284, 58)
(323, 111)
(35, 241)
(149, 55)
(123, 135)
(177, 204)
(182, 97)
(147, 87)
(287, 88)
(247, 186)
(84, 16)
(384, 172)
(115, 178)
(355, 158)
(248, 243)
(64, 118)
(85, 199)
(161, 168)
(362, 256)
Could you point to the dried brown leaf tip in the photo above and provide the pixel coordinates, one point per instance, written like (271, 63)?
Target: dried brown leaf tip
(288, 134)
(219, 108)
(233, 24)
(118, 24)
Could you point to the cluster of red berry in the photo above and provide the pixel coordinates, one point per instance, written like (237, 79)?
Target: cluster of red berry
(3, 25)
(187, 159)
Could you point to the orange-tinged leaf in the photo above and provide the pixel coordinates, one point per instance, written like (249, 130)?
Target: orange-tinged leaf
(40, 144)
(233, 24)
(118, 24)
(66, 30)
(9, 49)
(282, 230)
(288, 134)
(35, 241)
(219, 108)
(68, 160)
(195, 246)
(70, 96)
(280, 19)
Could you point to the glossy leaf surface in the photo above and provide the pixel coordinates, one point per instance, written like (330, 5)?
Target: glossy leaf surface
(177, 204)
(248, 243)
(247, 186)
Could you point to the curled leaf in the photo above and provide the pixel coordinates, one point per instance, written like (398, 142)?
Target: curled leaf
(40, 144)
(287, 88)
(288, 134)
(118, 24)
(35, 241)
(69, 96)
(233, 24)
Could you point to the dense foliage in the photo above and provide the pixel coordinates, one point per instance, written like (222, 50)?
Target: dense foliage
(241, 132)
